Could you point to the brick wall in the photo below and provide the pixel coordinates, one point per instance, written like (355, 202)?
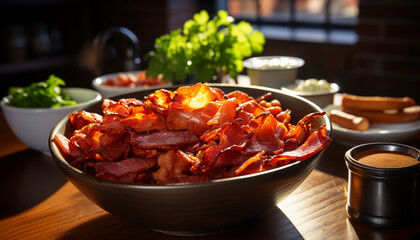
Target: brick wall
(322, 60)
(179, 11)
(386, 59)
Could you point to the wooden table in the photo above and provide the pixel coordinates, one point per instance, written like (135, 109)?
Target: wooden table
(37, 202)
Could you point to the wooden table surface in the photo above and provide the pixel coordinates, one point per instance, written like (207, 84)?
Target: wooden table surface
(37, 202)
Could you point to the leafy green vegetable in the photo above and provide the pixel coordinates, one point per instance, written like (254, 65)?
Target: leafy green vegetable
(204, 48)
(40, 94)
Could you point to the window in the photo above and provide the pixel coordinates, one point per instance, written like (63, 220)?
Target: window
(306, 20)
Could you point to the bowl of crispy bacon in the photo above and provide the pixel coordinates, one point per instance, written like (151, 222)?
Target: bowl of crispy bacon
(124, 82)
(192, 159)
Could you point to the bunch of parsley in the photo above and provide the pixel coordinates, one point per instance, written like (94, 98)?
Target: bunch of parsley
(204, 48)
(40, 94)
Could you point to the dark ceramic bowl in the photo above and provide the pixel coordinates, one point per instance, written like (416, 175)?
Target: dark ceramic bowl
(197, 208)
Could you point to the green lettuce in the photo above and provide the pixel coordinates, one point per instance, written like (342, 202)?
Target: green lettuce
(46, 94)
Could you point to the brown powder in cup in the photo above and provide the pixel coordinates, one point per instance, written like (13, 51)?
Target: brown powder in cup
(385, 159)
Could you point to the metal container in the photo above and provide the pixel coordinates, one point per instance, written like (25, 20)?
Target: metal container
(383, 197)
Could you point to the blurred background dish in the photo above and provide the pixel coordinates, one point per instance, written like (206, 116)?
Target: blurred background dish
(395, 132)
(126, 82)
(33, 125)
(273, 71)
(319, 92)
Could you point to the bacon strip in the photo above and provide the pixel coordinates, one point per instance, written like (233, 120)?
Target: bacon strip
(117, 108)
(194, 121)
(226, 113)
(302, 129)
(124, 167)
(249, 161)
(315, 143)
(83, 118)
(163, 139)
(66, 146)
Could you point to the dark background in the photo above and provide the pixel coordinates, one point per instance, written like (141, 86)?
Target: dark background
(384, 61)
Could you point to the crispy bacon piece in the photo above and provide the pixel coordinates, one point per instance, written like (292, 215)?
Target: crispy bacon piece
(227, 161)
(111, 148)
(274, 110)
(160, 101)
(226, 112)
(302, 129)
(83, 118)
(140, 120)
(284, 117)
(194, 134)
(173, 168)
(195, 121)
(232, 135)
(268, 135)
(193, 97)
(264, 97)
(124, 167)
(65, 146)
(246, 117)
(252, 107)
(117, 125)
(146, 153)
(249, 162)
(165, 140)
(116, 108)
(130, 102)
(315, 143)
(240, 96)
(87, 139)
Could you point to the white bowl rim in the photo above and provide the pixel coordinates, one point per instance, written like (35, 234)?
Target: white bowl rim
(97, 97)
(247, 63)
(288, 88)
(97, 82)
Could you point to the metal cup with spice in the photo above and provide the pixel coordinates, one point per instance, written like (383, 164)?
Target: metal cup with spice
(384, 184)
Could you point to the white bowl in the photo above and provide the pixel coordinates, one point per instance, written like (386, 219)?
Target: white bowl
(273, 71)
(322, 99)
(33, 125)
(108, 91)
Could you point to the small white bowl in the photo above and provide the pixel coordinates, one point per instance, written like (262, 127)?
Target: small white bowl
(108, 91)
(273, 71)
(33, 125)
(322, 99)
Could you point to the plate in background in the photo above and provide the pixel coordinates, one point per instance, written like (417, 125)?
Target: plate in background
(393, 132)
(108, 91)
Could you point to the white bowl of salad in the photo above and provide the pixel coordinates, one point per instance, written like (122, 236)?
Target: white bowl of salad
(32, 111)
